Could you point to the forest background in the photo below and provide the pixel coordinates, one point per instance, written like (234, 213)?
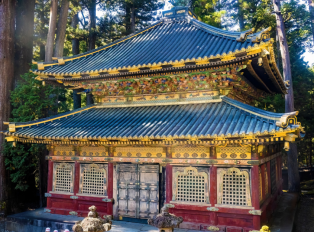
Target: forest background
(42, 29)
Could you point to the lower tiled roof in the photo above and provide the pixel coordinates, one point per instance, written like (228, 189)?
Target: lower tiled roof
(225, 118)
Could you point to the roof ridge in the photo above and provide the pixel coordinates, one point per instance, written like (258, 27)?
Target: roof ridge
(52, 118)
(99, 49)
(213, 30)
(258, 112)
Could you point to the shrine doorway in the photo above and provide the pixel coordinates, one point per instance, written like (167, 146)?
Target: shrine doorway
(137, 190)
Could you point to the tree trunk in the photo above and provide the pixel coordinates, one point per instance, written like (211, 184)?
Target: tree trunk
(92, 25)
(75, 42)
(293, 169)
(42, 33)
(24, 33)
(133, 19)
(62, 26)
(311, 7)
(241, 15)
(127, 19)
(51, 30)
(7, 23)
(77, 102)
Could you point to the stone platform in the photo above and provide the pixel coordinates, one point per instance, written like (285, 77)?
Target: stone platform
(37, 221)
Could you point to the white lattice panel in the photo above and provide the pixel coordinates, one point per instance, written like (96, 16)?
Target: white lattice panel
(63, 177)
(93, 179)
(234, 187)
(191, 186)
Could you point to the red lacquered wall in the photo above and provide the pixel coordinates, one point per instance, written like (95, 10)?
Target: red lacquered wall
(75, 204)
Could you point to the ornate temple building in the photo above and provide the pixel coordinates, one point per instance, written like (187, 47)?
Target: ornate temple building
(172, 123)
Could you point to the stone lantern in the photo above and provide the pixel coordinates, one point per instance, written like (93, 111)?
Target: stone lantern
(93, 223)
(165, 221)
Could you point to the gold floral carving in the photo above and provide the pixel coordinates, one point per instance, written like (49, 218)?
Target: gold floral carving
(64, 150)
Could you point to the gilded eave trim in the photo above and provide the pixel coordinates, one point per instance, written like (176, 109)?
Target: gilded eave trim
(225, 57)
(53, 119)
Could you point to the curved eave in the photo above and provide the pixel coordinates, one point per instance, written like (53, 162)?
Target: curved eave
(225, 116)
(244, 45)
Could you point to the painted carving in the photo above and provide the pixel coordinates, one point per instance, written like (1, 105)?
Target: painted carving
(93, 222)
(209, 80)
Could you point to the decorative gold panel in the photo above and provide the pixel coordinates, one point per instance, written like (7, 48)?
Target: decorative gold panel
(63, 177)
(93, 179)
(190, 185)
(140, 152)
(190, 152)
(64, 150)
(94, 151)
(234, 187)
(233, 152)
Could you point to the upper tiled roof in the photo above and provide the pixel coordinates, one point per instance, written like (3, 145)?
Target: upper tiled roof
(166, 41)
(222, 118)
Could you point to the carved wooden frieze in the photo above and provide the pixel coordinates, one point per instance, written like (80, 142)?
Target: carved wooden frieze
(93, 151)
(188, 152)
(140, 152)
(234, 152)
(64, 150)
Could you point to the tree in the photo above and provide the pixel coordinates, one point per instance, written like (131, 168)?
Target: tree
(136, 14)
(7, 23)
(61, 28)
(293, 167)
(51, 31)
(31, 101)
(209, 12)
(311, 8)
(24, 33)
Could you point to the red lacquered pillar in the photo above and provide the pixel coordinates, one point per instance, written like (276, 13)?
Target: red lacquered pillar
(255, 196)
(213, 194)
(50, 180)
(268, 175)
(76, 183)
(168, 183)
(110, 182)
(263, 180)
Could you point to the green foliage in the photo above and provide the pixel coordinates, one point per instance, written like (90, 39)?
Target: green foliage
(31, 101)
(22, 162)
(209, 11)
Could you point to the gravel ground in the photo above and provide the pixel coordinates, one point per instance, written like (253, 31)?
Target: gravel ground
(304, 220)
